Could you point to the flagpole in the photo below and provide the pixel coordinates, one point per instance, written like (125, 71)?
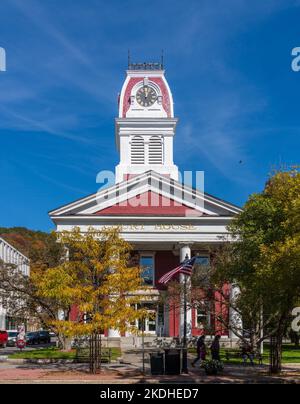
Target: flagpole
(185, 270)
(184, 349)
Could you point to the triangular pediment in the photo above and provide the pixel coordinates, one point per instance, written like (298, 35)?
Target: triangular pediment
(149, 204)
(148, 194)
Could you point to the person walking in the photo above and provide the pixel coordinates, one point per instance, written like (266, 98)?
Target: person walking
(201, 350)
(215, 348)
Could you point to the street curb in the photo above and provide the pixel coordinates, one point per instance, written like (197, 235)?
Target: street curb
(15, 361)
(135, 381)
(36, 361)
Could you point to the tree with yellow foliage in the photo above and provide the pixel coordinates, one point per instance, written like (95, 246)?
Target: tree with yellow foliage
(97, 278)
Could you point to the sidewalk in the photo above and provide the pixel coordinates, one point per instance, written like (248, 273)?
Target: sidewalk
(130, 373)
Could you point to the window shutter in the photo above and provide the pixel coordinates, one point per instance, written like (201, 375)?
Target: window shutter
(155, 150)
(137, 150)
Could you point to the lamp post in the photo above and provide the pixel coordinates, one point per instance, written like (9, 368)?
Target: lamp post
(184, 349)
(143, 343)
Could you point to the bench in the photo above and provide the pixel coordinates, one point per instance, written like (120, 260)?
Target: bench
(233, 354)
(83, 355)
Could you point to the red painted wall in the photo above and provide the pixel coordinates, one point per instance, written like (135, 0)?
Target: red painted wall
(148, 203)
(159, 81)
(164, 262)
(74, 314)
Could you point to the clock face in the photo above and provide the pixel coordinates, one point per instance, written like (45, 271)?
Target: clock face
(146, 96)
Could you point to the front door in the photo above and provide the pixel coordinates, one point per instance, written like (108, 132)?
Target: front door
(150, 326)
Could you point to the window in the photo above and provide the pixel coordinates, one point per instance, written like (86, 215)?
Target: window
(204, 261)
(202, 314)
(202, 270)
(155, 150)
(137, 150)
(147, 265)
(149, 324)
(12, 323)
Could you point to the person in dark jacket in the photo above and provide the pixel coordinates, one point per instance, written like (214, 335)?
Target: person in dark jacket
(215, 348)
(247, 353)
(201, 350)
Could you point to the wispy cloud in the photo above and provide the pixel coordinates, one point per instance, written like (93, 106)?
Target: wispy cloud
(35, 13)
(49, 180)
(66, 62)
(29, 124)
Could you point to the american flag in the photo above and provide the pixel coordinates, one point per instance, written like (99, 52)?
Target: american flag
(186, 268)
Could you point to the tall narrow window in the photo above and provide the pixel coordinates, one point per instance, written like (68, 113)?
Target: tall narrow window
(147, 265)
(137, 150)
(155, 150)
(203, 316)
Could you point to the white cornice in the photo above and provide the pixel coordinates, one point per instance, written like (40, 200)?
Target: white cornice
(138, 184)
(142, 218)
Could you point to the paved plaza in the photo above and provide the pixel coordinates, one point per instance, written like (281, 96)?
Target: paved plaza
(129, 370)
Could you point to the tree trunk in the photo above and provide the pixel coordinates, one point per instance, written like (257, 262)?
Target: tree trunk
(95, 352)
(62, 342)
(276, 354)
(295, 338)
(67, 344)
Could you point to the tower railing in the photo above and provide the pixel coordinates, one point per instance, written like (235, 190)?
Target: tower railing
(145, 66)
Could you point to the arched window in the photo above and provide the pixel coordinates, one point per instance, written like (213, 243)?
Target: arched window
(137, 150)
(155, 150)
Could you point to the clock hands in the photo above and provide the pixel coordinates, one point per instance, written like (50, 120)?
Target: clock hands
(146, 96)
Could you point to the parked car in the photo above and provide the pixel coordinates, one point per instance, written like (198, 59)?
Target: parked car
(3, 339)
(44, 337)
(12, 337)
(31, 338)
(38, 337)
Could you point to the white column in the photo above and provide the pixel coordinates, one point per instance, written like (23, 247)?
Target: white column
(61, 315)
(185, 250)
(2, 318)
(235, 319)
(113, 333)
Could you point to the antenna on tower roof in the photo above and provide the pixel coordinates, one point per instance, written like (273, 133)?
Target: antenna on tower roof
(129, 59)
(162, 59)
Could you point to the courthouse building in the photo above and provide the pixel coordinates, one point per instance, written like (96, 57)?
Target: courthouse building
(163, 219)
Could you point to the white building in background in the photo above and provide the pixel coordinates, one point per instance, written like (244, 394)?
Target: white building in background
(10, 255)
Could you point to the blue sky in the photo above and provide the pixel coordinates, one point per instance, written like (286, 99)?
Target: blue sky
(228, 64)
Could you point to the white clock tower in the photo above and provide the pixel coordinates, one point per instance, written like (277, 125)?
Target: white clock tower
(146, 125)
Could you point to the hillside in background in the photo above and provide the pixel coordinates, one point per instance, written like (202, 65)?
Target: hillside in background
(39, 246)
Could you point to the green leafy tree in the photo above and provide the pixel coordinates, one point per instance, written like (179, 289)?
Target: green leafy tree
(18, 291)
(19, 295)
(264, 261)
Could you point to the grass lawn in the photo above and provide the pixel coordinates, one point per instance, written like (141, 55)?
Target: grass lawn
(54, 353)
(290, 355)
